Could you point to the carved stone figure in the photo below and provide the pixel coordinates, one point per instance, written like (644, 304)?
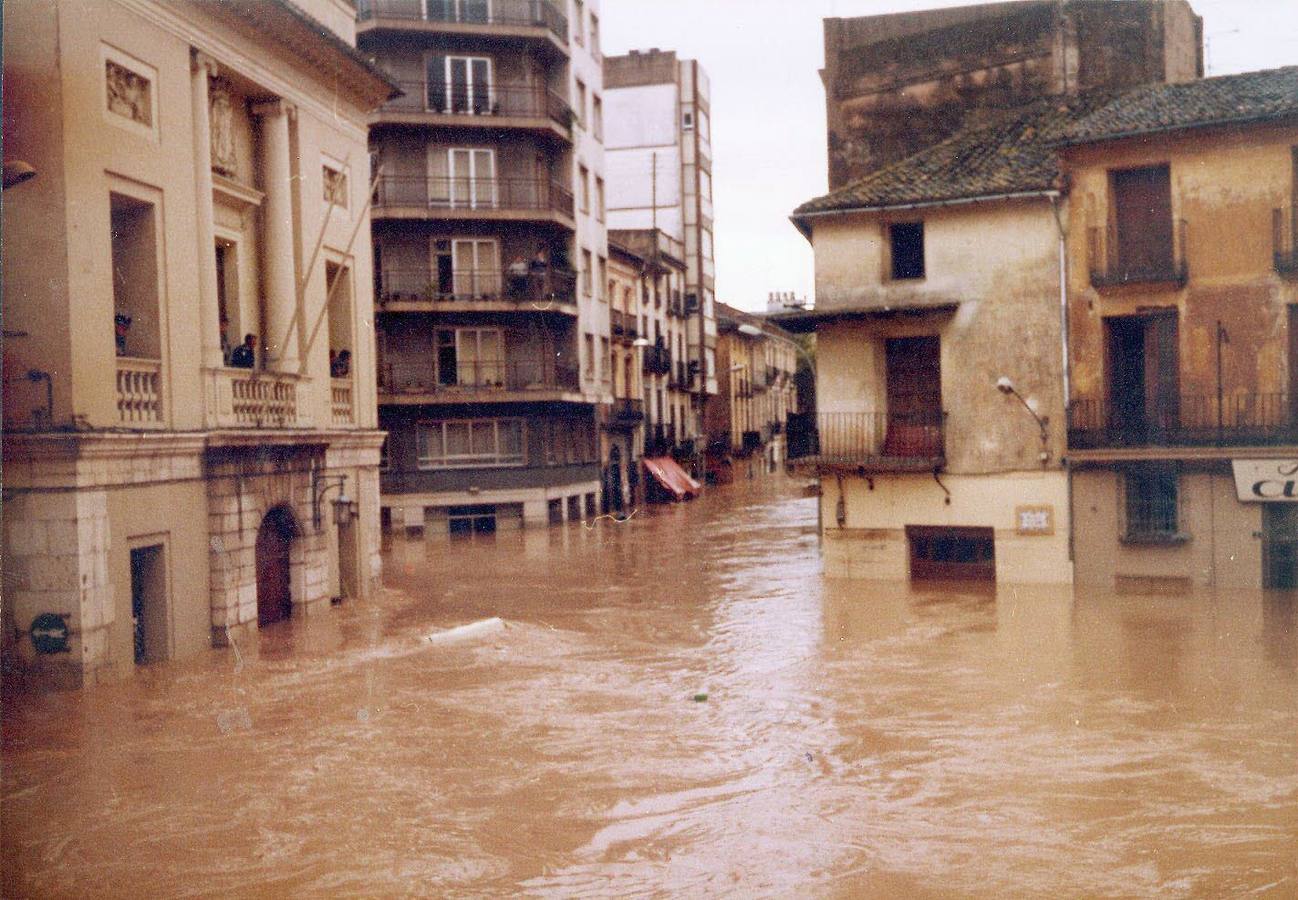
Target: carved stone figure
(224, 160)
(129, 94)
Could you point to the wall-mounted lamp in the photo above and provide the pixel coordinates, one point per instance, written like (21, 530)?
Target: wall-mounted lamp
(641, 342)
(344, 507)
(1005, 386)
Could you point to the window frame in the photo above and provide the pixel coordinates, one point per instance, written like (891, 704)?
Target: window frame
(426, 461)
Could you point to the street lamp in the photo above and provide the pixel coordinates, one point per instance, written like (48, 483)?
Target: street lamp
(1005, 386)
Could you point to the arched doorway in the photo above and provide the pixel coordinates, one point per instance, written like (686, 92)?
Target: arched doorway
(274, 539)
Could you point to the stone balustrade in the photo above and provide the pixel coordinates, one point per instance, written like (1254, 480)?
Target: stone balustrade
(139, 392)
(340, 393)
(244, 398)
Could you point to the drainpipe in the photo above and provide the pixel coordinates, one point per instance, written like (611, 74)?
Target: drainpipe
(1065, 359)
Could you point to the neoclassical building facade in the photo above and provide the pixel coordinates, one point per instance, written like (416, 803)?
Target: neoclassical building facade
(191, 447)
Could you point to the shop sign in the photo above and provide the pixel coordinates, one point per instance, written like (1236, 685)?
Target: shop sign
(1034, 519)
(1266, 480)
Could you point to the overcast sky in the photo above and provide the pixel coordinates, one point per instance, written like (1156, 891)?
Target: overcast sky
(768, 107)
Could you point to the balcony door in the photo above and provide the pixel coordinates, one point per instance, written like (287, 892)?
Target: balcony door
(1142, 210)
(459, 84)
(473, 179)
(471, 357)
(914, 396)
(476, 268)
(458, 10)
(1143, 374)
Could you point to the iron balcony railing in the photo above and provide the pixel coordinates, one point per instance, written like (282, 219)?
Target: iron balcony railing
(474, 194)
(873, 440)
(1112, 264)
(462, 286)
(628, 410)
(1184, 421)
(534, 13)
(1283, 243)
(624, 325)
(476, 376)
(488, 101)
(657, 361)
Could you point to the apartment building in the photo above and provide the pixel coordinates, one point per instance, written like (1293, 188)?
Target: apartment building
(190, 446)
(491, 261)
(623, 422)
(757, 362)
(659, 151)
(1183, 335)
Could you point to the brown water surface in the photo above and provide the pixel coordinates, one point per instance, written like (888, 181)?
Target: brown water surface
(857, 738)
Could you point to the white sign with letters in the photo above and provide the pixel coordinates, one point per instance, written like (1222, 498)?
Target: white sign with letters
(1266, 480)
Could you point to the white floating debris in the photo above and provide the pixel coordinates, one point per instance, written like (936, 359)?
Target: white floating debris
(473, 629)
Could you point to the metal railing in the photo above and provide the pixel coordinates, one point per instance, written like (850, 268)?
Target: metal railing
(628, 410)
(1284, 247)
(139, 392)
(473, 194)
(872, 439)
(535, 13)
(482, 375)
(624, 325)
(1112, 264)
(423, 286)
(489, 101)
(657, 360)
(1184, 421)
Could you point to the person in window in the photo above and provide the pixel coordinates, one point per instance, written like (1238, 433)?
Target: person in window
(537, 269)
(244, 356)
(517, 273)
(340, 366)
(121, 327)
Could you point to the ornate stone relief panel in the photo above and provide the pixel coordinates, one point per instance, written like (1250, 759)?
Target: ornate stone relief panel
(130, 94)
(221, 103)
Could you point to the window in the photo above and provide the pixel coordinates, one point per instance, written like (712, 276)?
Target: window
(705, 126)
(475, 266)
(602, 278)
(687, 121)
(705, 186)
(581, 103)
(600, 209)
(335, 185)
(597, 116)
(470, 443)
(459, 84)
(607, 374)
(589, 361)
(1142, 213)
(594, 35)
(457, 10)
(1151, 504)
(907, 242)
(338, 288)
(462, 178)
(583, 187)
(579, 22)
(586, 273)
(470, 357)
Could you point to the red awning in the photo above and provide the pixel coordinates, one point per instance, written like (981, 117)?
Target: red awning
(672, 477)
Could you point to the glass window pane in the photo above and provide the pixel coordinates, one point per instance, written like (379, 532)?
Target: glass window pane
(481, 81)
(436, 81)
(511, 441)
(484, 438)
(459, 84)
(457, 439)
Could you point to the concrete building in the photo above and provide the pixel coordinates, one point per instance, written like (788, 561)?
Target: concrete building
(623, 426)
(490, 241)
(756, 364)
(1183, 335)
(201, 176)
(939, 358)
(897, 83)
(659, 150)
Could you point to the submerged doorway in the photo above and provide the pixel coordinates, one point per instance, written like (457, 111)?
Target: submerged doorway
(274, 541)
(149, 603)
(1280, 546)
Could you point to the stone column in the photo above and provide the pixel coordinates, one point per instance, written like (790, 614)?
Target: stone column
(278, 267)
(202, 68)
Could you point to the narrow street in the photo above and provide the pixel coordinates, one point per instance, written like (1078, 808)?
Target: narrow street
(694, 702)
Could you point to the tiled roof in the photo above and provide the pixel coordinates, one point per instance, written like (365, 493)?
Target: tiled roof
(1252, 96)
(1010, 154)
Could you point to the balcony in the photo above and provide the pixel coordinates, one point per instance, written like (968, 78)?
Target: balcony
(247, 398)
(489, 106)
(624, 326)
(657, 361)
(469, 17)
(139, 392)
(1283, 246)
(478, 290)
(1113, 266)
(660, 440)
(484, 199)
(626, 411)
(1240, 420)
(477, 382)
(873, 442)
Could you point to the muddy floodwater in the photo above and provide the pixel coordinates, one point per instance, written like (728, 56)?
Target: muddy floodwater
(695, 702)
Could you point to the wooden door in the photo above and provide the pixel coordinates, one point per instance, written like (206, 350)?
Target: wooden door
(274, 596)
(1142, 206)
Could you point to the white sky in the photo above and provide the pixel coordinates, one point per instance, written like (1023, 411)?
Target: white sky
(768, 107)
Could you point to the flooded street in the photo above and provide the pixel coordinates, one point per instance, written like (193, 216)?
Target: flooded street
(694, 702)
